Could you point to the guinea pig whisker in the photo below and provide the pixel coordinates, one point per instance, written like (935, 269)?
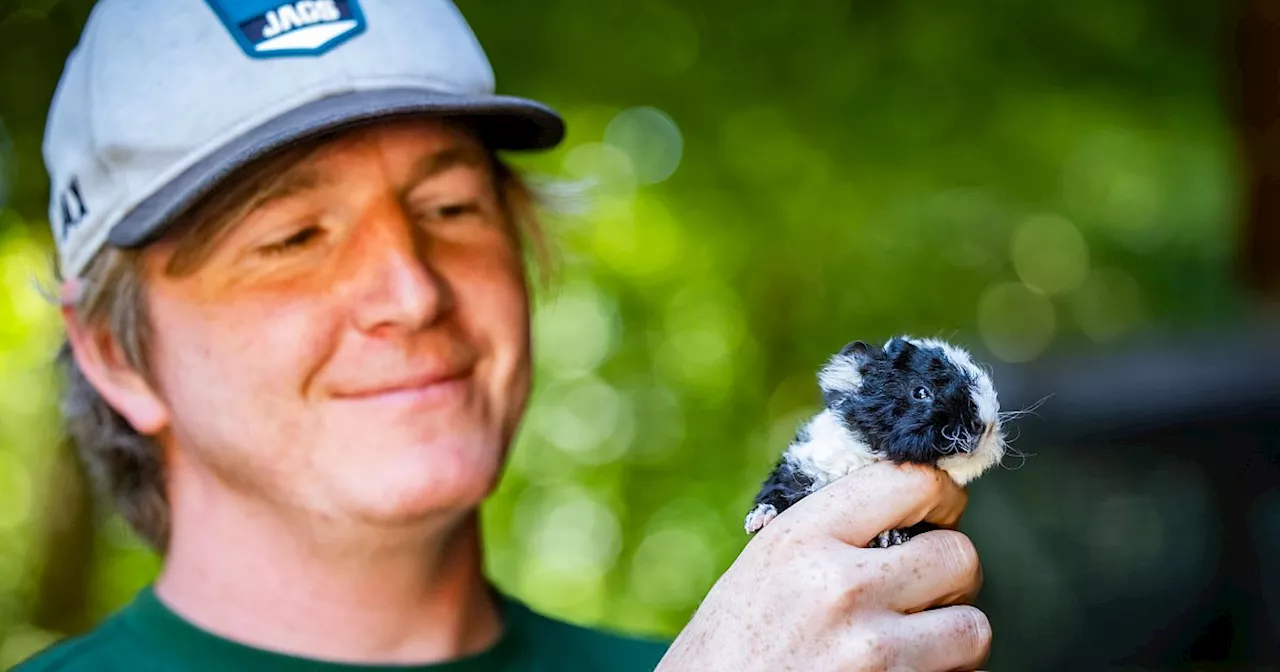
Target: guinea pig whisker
(1039, 403)
(1029, 410)
(1010, 450)
(1016, 454)
(959, 440)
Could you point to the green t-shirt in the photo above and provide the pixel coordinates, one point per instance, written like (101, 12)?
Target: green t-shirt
(147, 635)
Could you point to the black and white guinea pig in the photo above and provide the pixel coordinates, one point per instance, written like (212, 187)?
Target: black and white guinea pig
(914, 400)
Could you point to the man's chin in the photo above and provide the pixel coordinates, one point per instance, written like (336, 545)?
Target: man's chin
(399, 503)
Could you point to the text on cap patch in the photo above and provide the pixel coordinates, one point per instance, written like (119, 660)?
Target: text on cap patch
(271, 28)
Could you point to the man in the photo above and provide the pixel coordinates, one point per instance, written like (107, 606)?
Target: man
(298, 350)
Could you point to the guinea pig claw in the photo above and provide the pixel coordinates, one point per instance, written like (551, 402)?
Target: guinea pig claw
(759, 517)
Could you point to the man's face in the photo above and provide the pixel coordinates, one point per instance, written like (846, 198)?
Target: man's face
(357, 345)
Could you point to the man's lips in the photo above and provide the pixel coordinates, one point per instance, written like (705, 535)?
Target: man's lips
(430, 383)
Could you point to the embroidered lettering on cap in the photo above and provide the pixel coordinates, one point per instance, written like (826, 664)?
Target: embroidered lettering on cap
(302, 28)
(305, 13)
(74, 209)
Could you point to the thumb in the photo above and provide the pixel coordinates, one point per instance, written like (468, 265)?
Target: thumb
(881, 496)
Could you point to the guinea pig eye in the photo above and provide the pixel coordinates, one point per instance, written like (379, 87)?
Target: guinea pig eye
(921, 393)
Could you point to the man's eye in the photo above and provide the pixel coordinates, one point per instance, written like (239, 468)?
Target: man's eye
(451, 210)
(297, 240)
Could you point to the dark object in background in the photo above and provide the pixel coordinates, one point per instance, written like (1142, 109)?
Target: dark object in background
(1143, 531)
(1254, 71)
(914, 400)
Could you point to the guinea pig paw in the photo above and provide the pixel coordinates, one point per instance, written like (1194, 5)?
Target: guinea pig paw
(759, 517)
(890, 538)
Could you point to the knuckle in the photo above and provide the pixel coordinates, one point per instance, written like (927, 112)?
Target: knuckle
(815, 574)
(871, 651)
(936, 483)
(930, 485)
(857, 588)
(974, 630)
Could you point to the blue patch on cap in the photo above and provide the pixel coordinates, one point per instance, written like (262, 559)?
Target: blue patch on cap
(271, 28)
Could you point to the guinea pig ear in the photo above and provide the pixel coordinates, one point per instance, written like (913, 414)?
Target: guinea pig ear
(899, 348)
(841, 376)
(860, 351)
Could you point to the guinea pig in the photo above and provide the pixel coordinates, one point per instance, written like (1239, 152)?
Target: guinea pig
(914, 400)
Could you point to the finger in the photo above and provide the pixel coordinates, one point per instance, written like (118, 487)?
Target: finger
(946, 640)
(881, 496)
(934, 569)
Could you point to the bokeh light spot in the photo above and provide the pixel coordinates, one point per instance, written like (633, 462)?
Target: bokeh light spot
(606, 167)
(1050, 255)
(1133, 199)
(576, 535)
(664, 424)
(672, 568)
(640, 238)
(587, 419)
(25, 314)
(577, 330)
(1016, 323)
(705, 327)
(567, 540)
(650, 139)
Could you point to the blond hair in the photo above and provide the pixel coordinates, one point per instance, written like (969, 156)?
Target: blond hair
(127, 466)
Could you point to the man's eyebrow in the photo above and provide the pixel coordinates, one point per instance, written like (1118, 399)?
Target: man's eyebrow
(292, 182)
(438, 162)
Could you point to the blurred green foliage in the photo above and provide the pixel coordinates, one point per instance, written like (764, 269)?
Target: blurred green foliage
(771, 180)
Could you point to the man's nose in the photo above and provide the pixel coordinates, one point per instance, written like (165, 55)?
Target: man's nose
(395, 283)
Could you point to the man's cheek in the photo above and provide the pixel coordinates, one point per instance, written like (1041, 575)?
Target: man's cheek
(281, 344)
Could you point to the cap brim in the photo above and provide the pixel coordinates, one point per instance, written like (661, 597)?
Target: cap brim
(503, 122)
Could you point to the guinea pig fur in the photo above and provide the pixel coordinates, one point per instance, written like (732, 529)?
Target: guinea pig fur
(914, 400)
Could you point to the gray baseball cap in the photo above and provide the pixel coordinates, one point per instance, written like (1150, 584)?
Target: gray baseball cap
(162, 100)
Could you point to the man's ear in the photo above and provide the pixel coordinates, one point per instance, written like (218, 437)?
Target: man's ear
(102, 361)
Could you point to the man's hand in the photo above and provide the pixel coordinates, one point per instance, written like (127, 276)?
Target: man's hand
(806, 594)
